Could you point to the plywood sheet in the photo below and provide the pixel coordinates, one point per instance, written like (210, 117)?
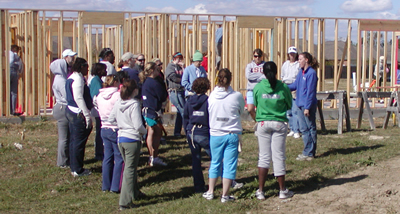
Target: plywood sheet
(255, 22)
(103, 18)
(379, 25)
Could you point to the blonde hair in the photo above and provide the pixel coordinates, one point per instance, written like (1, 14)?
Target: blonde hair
(110, 80)
(148, 70)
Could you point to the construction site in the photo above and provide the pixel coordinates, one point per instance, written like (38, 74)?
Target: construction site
(347, 49)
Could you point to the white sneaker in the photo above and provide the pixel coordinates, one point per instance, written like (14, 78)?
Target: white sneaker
(84, 173)
(291, 133)
(158, 161)
(236, 185)
(296, 135)
(227, 198)
(285, 194)
(209, 196)
(150, 162)
(260, 195)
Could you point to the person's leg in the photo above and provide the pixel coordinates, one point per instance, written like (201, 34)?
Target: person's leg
(99, 148)
(278, 148)
(117, 171)
(157, 132)
(63, 135)
(178, 100)
(80, 136)
(308, 130)
(217, 146)
(131, 153)
(149, 140)
(295, 123)
(230, 156)
(108, 161)
(195, 148)
(264, 155)
(250, 104)
(14, 91)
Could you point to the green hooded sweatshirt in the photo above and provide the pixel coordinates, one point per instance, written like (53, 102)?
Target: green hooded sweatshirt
(272, 104)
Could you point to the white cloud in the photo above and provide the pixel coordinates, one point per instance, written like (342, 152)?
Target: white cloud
(198, 9)
(364, 6)
(162, 10)
(109, 5)
(387, 15)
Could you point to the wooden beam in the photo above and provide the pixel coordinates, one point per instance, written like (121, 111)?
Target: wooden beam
(379, 25)
(102, 18)
(255, 22)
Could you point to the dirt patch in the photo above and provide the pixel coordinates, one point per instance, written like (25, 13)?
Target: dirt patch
(373, 189)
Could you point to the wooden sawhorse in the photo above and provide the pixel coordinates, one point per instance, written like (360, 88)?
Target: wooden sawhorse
(343, 102)
(364, 101)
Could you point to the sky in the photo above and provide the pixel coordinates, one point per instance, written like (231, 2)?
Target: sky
(370, 9)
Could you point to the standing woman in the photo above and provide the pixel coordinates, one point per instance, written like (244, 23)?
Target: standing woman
(98, 71)
(225, 107)
(254, 74)
(153, 94)
(112, 161)
(126, 113)
(107, 57)
(290, 69)
(78, 114)
(306, 93)
(272, 99)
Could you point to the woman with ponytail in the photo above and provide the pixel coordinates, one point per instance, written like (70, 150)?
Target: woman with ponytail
(306, 101)
(272, 99)
(225, 107)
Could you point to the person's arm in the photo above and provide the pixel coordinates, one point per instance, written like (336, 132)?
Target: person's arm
(293, 86)
(247, 71)
(185, 116)
(185, 80)
(288, 97)
(112, 118)
(241, 103)
(136, 119)
(174, 77)
(311, 90)
(77, 91)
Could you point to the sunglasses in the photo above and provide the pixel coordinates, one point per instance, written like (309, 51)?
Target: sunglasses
(141, 60)
(257, 56)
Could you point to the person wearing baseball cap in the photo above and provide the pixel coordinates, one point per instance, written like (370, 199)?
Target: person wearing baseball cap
(192, 72)
(61, 68)
(289, 72)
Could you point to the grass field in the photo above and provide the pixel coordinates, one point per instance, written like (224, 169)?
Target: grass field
(31, 183)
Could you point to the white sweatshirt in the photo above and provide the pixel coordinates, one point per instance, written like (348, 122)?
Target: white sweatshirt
(225, 108)
(128, 117)
(289, 72)
(254, 74)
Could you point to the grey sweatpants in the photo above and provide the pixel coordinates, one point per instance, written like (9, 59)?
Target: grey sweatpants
(272, 145)
(63, 134)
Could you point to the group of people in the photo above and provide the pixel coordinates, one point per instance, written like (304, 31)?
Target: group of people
(128, 107)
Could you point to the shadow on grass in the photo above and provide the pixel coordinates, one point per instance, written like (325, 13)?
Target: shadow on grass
(185, 192)
(316, 182)
(345, 151)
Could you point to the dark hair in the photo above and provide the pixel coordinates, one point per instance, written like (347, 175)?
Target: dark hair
(270, 70)
(259, 52)
(121, 63)
(105, 52)
(296, 57)
(110, 80)
(201, 85)
(122, 76)
(98, 69)
(79, 64)
(148, 70)
(224, 78)
(14, 48)
(311, 60)
(177, 55)
(127, 89)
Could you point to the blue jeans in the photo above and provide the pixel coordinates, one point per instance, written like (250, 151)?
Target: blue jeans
(292, 116)
(308, 130)
(14, 91)
(112, 162)
(199, 141)
(78, 138)
(178, 100)
(224, 150)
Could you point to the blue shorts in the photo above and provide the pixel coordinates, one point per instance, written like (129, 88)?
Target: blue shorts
(150, 122)
(249, 97)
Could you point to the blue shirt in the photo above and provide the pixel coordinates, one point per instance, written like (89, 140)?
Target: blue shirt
(306, 88)
(190, 74)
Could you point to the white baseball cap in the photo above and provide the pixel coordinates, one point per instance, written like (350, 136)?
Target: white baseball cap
(292, 49)
(68, 52)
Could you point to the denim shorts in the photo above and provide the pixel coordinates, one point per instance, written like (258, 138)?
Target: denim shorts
(249, 97)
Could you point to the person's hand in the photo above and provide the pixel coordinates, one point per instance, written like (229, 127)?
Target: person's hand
(89, 123)
(306, 112)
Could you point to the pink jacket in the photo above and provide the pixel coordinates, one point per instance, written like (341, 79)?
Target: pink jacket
(104, 103)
